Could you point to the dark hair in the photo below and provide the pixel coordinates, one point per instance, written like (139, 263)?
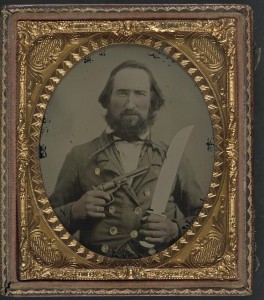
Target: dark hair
(156, 96)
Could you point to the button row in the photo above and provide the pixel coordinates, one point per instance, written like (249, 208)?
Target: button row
(112, 210)
(134, 233)
(113, 231)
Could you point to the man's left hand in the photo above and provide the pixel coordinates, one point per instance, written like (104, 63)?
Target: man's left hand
(158, 229)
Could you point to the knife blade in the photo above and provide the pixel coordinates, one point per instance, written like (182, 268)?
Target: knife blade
(169, 170)
(168, 174)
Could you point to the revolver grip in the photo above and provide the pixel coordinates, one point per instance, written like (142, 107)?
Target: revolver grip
(109, 188)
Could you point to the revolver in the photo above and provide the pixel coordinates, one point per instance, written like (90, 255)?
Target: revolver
(111, 186)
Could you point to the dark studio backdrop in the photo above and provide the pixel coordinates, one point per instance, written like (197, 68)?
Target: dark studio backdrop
(258, 169)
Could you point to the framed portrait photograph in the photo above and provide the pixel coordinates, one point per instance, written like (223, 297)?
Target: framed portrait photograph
(126, 150)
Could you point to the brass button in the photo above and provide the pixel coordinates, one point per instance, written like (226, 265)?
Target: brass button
(134, 234)
(113, 230)
(104, 248)
(111, 209)
(138, 210)
(147, 192)
(97, 171)
(157, 171)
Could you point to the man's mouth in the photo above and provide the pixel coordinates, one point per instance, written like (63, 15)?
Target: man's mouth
(130, 113)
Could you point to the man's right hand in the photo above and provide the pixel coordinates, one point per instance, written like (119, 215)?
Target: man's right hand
(91, 204)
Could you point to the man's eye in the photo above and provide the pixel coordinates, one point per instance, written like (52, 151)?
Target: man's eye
(122, 93)
(140, 93)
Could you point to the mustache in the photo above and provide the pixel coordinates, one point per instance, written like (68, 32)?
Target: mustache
(128, 112)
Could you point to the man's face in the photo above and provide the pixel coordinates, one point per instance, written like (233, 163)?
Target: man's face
(130, 97)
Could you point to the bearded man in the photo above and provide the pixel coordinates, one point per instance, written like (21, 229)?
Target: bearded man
(114, 225)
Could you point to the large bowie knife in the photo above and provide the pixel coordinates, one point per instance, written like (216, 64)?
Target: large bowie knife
(167, 175)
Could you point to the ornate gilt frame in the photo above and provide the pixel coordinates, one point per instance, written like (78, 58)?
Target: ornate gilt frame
(40, 45)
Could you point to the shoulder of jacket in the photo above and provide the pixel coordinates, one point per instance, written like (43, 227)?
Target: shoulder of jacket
(160, 145)
(86, 149)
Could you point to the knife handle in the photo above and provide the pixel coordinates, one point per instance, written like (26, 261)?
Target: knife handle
(146, 244)
(149, 246)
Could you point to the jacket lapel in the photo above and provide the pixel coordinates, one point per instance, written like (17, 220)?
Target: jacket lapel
(154, 158)
(130, 191)
(108, 156)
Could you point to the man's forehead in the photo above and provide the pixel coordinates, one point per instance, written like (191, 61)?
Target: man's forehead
(132, 77)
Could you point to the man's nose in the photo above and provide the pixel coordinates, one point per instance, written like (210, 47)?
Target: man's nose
(131, 101)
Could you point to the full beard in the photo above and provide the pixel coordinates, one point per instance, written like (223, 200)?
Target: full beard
(129, 125)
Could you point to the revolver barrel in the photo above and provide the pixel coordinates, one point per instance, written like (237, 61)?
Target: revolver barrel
(118, 181)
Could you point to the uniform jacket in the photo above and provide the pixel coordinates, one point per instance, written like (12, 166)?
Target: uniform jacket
(97, 162)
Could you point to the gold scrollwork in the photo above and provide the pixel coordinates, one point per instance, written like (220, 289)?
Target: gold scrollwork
(44, 250)
(70, 60)
(208, 51)
(215, 248)
(48, 50)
